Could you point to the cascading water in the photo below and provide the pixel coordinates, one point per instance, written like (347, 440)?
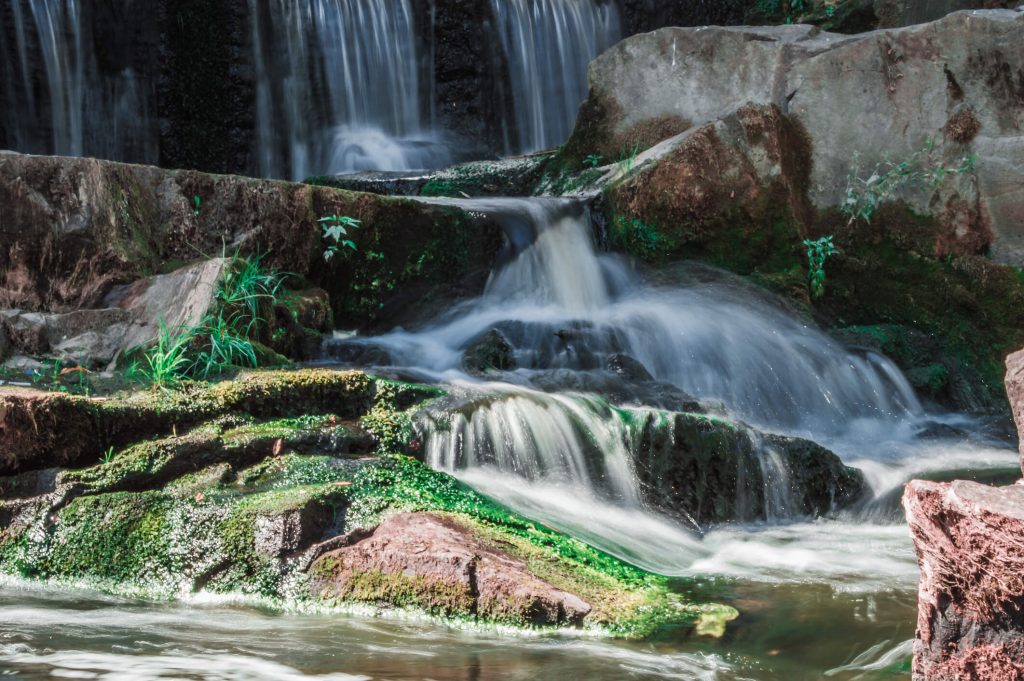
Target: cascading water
(576, 324)
(563, 307)
(59, 100)
(339, 88)
(548, 45)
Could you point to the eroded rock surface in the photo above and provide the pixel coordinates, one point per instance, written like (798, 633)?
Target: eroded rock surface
(435, 563)
(970, 546)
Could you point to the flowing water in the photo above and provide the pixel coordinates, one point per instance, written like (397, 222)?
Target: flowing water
(59, 99)
(548, 45)
(596, 349)
(339, 88)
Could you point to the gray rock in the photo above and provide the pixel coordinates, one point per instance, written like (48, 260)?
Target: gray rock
(876, 97)
(95, 338)
(490, 352)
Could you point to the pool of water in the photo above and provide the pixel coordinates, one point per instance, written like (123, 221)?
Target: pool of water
(785, 632)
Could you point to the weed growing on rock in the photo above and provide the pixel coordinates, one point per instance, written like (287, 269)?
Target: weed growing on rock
(818, 252)
(593, 160)
(243, 304)
(167, 361)
(336, 228)
(864, 196)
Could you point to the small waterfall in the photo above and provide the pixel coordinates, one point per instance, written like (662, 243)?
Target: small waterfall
(549, 44)
(573, 440)
(339, 88)
(59, 101)
(565, 310)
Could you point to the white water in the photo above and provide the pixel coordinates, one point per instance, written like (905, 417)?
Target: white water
(548, 45)
(564, 457)
(339, 88)
(60, 100)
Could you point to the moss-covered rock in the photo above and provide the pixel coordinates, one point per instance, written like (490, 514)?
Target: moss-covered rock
(246, 508)
(130, 221)
(40, 430)
(707, 471)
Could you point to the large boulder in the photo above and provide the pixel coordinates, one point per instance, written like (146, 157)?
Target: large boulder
(970, 546)
(864, 99)
(706, 471)
(434, 562)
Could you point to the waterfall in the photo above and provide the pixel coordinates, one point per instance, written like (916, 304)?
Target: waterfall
(568, 312)
(58, 99)
(549, 45)
(338, 88)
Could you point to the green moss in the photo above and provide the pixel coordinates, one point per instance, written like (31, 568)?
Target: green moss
(398, 590)
(117, 537)
(627, 600)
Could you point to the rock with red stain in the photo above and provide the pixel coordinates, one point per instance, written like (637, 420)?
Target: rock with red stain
(437, 564)
(970, 546)
(1015, 391)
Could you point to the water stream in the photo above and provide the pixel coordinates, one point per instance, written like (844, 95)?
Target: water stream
(339, 88)
(594, 349)
(548, 45)
(60, 100)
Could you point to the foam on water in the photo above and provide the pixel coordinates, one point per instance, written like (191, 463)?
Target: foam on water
(542, 445)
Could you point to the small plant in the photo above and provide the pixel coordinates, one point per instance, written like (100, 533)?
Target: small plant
(594, 160)
(223, 346)
(107, 456)
(627, 159)
(864, 196)
(196, 205)
(167, 362)
(247, 293)
(818, 252)
(336, 228)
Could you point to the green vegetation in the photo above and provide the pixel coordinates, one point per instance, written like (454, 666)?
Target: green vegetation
(818, 251)
(336, 229)
(865, 195)
(167, 362)
(593, 160)
(239, 318)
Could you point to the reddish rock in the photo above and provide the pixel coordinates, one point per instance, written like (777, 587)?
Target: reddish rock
(970, 547)
(433, 562)
(1015, 391)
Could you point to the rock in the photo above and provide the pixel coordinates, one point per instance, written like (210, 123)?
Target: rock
(75, 230)
(706, 471)
(628, 368)
(875, 97)
(178, 300)
(489, 353)
(1015, 392)
(41, 430)
(970, 546)
(5, 344)
(435, 563)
